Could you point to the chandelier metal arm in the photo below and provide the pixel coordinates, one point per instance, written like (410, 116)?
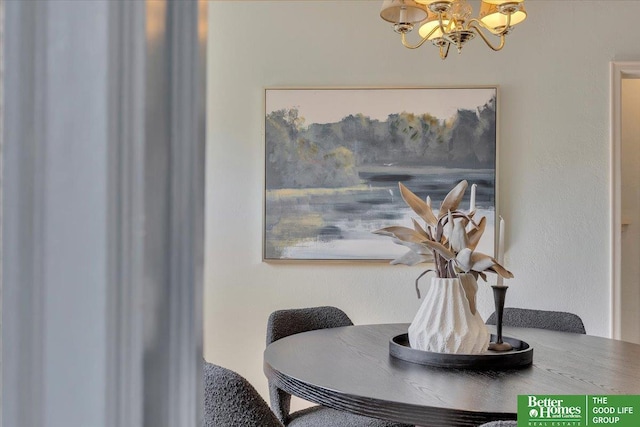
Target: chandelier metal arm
(444, 52)
(406, 44)
(486, 40)
(504, 31)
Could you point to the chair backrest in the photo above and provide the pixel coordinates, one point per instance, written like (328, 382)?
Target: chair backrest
(541, 319)
(283, 323)
(231, 401)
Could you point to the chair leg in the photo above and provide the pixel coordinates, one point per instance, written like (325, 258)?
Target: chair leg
(280, 403)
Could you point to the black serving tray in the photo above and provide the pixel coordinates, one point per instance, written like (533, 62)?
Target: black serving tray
(520, 356)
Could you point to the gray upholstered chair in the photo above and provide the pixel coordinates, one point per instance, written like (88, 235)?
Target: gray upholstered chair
(541, 319)
(501, 424)
(231, 401)
(283, 323)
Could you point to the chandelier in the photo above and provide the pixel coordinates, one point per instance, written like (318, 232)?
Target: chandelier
(448, 22)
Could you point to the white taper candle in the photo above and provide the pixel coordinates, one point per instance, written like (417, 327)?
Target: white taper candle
(472, 205)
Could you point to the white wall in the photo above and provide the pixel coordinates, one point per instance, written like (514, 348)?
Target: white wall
(553, 161)
(630, 165)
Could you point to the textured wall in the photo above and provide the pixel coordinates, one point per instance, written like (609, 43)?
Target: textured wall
(553, 79)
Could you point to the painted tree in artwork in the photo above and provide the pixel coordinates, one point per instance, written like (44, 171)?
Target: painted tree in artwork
(328, 155)
(296, 161)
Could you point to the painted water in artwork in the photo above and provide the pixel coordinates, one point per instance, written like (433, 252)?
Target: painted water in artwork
(334, 158)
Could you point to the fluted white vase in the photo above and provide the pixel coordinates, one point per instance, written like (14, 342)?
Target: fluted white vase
(447, 320)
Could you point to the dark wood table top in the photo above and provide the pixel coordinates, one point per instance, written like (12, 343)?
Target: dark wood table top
(350, 369)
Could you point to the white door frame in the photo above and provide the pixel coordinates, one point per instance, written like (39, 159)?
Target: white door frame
(619, 71)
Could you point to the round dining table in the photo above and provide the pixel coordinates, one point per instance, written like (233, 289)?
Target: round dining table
(350, 369)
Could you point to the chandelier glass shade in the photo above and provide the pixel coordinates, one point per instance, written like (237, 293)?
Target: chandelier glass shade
(449, 22)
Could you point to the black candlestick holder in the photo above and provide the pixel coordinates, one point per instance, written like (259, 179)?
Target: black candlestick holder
(499, 294)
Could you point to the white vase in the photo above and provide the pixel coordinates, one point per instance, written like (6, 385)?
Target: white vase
(447, 321)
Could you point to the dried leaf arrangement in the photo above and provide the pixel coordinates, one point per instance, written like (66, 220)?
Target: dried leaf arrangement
(448, 240)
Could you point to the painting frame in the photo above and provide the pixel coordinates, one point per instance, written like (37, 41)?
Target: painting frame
(281, 197)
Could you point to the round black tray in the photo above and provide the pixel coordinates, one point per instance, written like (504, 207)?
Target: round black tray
(521, 356)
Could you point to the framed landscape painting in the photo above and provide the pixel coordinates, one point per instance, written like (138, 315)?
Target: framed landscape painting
(334, 158)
